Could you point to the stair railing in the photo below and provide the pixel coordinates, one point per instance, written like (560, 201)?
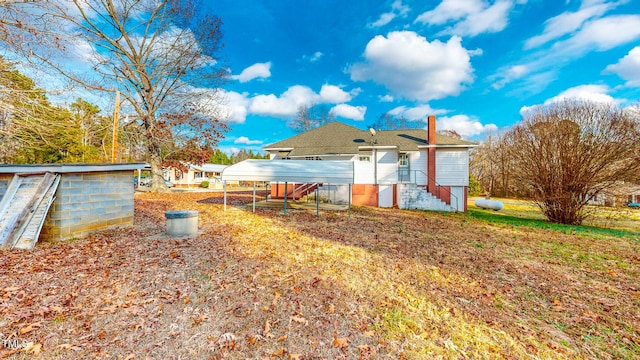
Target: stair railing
(438, 186)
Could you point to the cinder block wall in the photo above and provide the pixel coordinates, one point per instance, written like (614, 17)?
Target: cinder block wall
(86, 202)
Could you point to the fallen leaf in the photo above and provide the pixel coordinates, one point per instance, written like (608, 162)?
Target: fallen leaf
(29, 328)
(299, 320)
(283, 338)
(32, 348)
(340, 343)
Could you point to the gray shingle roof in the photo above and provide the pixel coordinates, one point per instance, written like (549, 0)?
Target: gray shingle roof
(336, 138)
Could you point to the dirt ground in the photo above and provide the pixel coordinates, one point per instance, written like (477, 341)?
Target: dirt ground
(382, 283)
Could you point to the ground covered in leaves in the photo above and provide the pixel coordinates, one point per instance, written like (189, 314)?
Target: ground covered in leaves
(382, 283)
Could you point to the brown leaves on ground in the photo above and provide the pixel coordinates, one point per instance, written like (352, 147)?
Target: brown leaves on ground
(384, 283)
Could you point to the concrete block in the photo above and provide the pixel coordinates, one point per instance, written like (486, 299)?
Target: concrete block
(182, 223)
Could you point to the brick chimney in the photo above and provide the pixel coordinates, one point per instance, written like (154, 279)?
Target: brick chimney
(431, 157)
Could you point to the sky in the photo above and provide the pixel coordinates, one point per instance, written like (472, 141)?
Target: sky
(475, 64)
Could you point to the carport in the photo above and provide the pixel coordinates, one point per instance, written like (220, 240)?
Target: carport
(290, 171)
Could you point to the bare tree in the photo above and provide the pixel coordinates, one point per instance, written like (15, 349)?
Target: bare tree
(159, 54)
(565, 153)
(387, 121)
(310, 117)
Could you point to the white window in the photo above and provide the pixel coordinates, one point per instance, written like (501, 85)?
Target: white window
(403, 160)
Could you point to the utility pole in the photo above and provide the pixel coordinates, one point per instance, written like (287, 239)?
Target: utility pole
(116, 115)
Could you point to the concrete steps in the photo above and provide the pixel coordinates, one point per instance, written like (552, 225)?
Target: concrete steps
(412, 197)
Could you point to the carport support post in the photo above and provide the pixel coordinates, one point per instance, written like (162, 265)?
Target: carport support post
(254, 196)
(224, 186)
(286, 190)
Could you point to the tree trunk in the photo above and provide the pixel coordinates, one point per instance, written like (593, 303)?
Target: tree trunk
(157, 176)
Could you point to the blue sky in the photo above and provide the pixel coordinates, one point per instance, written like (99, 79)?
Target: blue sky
(476, 64)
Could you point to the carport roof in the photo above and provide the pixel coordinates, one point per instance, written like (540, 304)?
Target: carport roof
(293, 171)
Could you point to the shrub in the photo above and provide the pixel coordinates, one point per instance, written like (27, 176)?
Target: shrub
(204, 184)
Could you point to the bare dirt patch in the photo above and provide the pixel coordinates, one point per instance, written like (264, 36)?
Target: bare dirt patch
(383, 283)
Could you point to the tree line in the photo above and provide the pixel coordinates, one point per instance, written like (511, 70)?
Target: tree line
(34, 131)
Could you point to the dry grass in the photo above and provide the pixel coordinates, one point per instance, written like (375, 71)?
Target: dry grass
(384, 283)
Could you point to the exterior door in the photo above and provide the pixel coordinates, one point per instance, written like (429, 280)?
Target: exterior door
(404, 174)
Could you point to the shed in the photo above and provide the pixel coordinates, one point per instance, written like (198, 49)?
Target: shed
(291, 171)
(62, 201)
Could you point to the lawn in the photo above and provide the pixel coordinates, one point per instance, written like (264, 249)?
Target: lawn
(382, 283)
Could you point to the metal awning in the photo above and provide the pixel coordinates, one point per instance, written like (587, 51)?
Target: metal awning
(290, 171)
(293, 171)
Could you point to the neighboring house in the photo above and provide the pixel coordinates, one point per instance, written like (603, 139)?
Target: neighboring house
(414, 169)
(619, 193)
(195, 174)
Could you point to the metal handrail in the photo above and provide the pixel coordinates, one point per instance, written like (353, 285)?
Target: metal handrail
(440, 187)
(301, 189)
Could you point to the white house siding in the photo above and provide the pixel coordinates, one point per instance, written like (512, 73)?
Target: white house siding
(418, 167)
(387, 166)
(457, 198)
(452, 167)
(363, 171)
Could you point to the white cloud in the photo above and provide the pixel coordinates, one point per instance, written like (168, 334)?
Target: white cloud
(334, 94)
(414, 68)
(569, 22)
(383, 20)
(235, 106)
(595, 93)
(284, 105)
(508, 75)
(595, 35)
(349, 112)
(628, 67)
(464, 125)
(419, 112)
(245, 140)
(386, 98)
(397, 9)
(314, 57)
(258, 70)
(472, 17)
(602, 34)
(449, 10)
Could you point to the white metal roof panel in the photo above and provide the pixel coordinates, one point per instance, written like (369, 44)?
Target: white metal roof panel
(294, 171)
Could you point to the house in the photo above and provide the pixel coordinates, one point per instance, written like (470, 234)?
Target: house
(619, 193)
(413, 169)
(195, 175)
(62, 201)
(192, 177)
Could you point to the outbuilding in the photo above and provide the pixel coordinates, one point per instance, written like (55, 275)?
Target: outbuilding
(63, 201)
